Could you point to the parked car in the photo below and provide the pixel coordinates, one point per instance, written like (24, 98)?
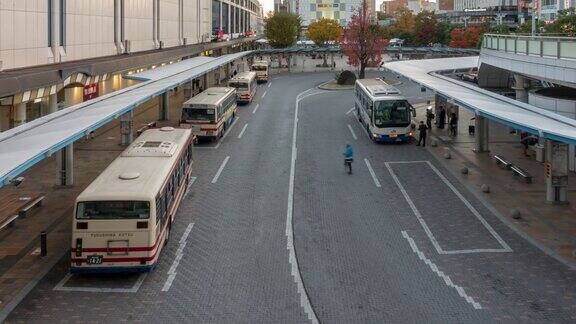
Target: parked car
(469, 76)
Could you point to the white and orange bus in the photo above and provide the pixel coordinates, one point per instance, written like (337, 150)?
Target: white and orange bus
(245, 85)
(123, 218)
(210, 112)
(261, 68)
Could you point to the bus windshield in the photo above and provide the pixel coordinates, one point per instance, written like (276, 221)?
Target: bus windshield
(114, 209)
(259, 68)
(198, 114)
(242, 86)
(391, 113)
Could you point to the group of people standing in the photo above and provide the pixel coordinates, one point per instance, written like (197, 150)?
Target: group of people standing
(440, 122)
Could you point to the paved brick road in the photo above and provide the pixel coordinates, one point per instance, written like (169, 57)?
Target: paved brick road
(357, 265)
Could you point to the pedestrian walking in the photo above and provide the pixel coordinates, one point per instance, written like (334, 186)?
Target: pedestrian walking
(441, 117)
(422, 134)
(453, 124)
(348, 157)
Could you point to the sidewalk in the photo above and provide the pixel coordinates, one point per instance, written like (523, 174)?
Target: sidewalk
(21, 266)
(552, 227)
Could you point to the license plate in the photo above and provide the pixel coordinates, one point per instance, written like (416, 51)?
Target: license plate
(393, 135)
(94, 259)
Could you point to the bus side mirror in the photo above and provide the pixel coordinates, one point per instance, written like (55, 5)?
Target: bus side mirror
(413, 112)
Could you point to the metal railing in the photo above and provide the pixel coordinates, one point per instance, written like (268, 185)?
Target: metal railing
(544, 46)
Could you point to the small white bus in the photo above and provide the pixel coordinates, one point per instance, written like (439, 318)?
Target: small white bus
(384, 112)
(123, 218)
(210, 112)
(245, 85)
(261, 69)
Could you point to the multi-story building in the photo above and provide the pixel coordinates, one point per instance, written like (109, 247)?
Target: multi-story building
(371, 7)
(57, 53)
(312, 10)
(393, 6)
(461, 5)
(417, 6)
(445, 5)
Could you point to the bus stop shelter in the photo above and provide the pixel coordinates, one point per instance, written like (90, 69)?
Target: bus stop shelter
(25, 145)
(557, 131)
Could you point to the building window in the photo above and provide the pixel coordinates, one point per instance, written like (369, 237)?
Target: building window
(225, 24)
(215, 16)
(49, 23)
(62, 22)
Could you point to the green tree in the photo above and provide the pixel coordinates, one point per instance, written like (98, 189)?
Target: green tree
(443, 33)
(526, 27)
(565, 23)
(426, 28)
(403, 26)
(323, 31)
(282, 29)
(500, 29)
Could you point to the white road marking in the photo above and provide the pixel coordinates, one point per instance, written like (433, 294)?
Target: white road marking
(242, 131)
(255, 109)
(352, 131)
(226, 133)
(376, 181)
(217, 175)
(269, 84)
(304, 300)
(179, 255)
(505, 247)
(349, 111)
(60, 286)
(192, 180)
(440, 274)
(264, 94)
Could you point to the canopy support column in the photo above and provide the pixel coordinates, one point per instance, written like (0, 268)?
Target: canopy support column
(164, 104)
(53, 104)
(65, 163)
(19, 114)
(520, 86)
(482, 134)
(556, 168)
(126, 127)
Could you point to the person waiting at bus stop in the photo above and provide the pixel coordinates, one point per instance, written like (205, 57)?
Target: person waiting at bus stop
(453, 124)
(422, 134)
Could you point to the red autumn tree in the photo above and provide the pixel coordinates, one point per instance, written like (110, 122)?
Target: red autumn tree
(362, 41)
(465, 37)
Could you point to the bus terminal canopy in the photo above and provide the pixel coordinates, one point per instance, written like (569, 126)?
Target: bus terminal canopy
(483, 102)
(23, 146)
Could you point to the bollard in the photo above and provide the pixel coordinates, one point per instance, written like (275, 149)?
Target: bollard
(43, 245)
(515, 213)
(464, 170)
(447, 154)
(485, 188)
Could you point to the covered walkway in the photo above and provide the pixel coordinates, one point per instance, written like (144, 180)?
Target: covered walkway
(554, 130)
(26, 145)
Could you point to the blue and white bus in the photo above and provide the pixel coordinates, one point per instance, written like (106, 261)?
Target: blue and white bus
(384, 112)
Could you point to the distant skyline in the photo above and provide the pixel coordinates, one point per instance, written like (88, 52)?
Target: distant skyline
(268, 5)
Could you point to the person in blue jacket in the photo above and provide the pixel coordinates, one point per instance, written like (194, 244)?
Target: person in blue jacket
(348, 157)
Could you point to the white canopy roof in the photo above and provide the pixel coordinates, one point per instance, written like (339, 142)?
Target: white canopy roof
(486, 103)
(26, 145)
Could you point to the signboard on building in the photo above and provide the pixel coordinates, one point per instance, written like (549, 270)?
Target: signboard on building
(90, 91)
